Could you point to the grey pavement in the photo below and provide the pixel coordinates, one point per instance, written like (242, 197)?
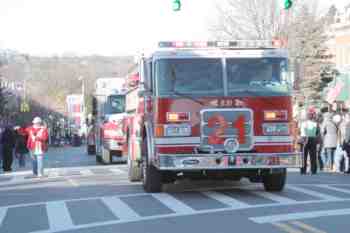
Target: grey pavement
(99, 199)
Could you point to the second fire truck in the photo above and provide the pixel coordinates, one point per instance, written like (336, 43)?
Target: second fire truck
(108, 114)
(216, 110)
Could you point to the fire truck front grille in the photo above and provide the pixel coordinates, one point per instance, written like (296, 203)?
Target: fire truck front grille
(217, 125)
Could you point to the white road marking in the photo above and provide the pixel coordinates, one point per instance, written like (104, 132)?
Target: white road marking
(274, 197)
(17, 179)
(306, 227)
(53, 174)
(119, 208)
(117, 171)
(235, 204)
(3, 212)
(314, 193)
(286, 228)
(86, 172)
(73, 183)
(335, 188)
(173, 203)
(58, 215)
(297, 216)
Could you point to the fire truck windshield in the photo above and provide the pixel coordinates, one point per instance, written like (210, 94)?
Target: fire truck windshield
(195, 76)
(204, 76)
(261, 75)
(116, 104)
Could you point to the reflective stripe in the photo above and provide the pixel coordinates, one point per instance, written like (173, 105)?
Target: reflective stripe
(267, 139)
(177, 140)
(196, 140)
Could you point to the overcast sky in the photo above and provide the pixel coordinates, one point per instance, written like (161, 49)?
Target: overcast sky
(108, 27)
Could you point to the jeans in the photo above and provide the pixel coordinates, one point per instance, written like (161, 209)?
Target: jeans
(38, 164)
(338, 156)
(22, 160)
(328, 157)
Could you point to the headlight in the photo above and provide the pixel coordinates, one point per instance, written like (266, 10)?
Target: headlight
(177, 130)
(276, 129)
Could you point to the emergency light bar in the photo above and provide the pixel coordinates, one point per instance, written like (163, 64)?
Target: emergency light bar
(222, 44)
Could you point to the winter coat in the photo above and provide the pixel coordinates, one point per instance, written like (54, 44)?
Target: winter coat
(21, 141)
(37, 139)
(330, 134)
(8, 139)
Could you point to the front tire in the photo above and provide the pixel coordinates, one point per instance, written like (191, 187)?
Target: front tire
(151, 176)
(275, 182)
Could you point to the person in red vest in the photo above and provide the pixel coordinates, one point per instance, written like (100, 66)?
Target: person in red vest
(37, 145)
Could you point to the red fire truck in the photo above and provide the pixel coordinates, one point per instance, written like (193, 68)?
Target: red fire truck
(214, 110)
(108, 113)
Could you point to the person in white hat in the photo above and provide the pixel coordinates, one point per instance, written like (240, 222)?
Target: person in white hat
(37, 145)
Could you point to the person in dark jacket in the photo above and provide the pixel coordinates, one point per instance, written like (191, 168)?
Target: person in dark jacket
(310, 130)
(21, 149)
(8, 142)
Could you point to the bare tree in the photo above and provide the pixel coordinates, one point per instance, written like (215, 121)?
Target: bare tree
(303, 27)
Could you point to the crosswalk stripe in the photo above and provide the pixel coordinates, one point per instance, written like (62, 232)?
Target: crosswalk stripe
(58, 215)
(173, 203)
(286, 228)
(16, 179)
(117, 171)
(313, 193)
(298, 216)
(3, 212)
(119, 208)
(335, 188)
(225, 199)
(274, 197)
(53, 174)
(86, 172)
(306, 227)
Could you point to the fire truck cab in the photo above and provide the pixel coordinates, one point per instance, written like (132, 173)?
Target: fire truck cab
(108, 114)
(214, 110)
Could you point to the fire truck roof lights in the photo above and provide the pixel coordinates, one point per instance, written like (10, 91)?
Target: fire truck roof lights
(222, 44)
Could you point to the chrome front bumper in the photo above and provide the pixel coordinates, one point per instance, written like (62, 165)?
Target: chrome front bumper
(228, 161)
(110, 144)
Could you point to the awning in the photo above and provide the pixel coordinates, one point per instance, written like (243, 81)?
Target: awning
(339, 89)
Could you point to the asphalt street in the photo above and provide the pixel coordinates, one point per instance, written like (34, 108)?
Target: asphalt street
(79, 196)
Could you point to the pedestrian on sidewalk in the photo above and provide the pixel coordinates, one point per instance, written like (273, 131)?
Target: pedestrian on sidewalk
(21, 149)
(8, 144)
(37, 145)
(1, 131)
(311, 131)
(320, 148)
(345, 139)
(330, 141)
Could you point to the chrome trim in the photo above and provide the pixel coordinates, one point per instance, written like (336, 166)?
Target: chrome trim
(175, 162)
(176, 140)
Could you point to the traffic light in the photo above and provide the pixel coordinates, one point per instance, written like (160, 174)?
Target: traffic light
(288, 4)
(176, 5)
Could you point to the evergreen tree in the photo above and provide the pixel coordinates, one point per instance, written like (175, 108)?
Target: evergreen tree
(3, 101)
